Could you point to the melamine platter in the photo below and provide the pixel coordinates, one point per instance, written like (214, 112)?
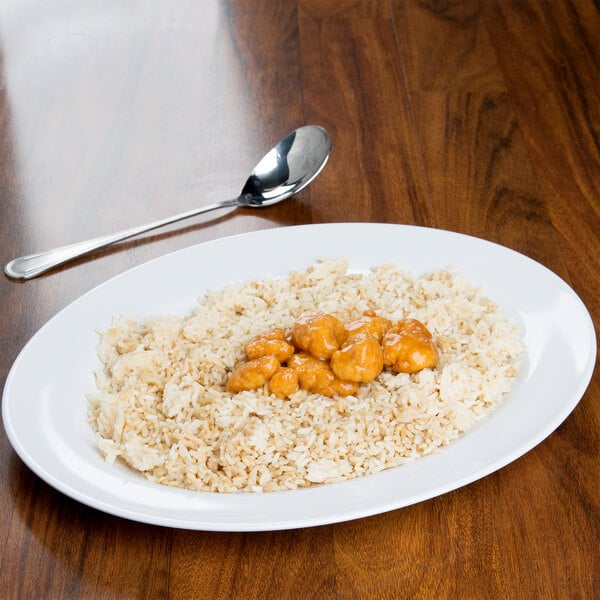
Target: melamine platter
(44, 401)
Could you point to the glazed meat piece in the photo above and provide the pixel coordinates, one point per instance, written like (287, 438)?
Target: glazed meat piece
(412, 327)
(253, 374)
(369, 323)
(302, 361)
(270, 343)
(316, 376)
(284, 382)
(318, 334)
(359, 359)
(408, 347)
(328, 384)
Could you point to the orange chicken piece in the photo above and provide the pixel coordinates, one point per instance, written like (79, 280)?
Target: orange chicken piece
(253, 374)
(316, 376)
(369, 323)
(318, 334)
(284, 382)
(359, 359)
(270, 343)
(408, 347)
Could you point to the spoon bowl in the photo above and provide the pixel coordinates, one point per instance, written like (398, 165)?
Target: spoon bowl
(288, 167)
(285, 170)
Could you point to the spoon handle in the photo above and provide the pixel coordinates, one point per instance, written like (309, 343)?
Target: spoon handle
(32, 265)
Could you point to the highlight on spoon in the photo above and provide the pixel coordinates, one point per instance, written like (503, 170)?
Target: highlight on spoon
(289, 167)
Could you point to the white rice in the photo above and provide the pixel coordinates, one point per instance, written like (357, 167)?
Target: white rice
(162, 406)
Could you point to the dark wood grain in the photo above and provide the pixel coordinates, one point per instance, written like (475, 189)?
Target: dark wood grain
(475, 116)
(348, 64)
(554, 87)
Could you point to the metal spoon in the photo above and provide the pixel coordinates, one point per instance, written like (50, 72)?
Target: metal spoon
(286, 169)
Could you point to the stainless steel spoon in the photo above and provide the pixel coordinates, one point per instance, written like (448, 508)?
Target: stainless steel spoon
(286, 169)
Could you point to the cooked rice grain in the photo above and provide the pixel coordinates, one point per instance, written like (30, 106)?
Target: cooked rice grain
(162, 406)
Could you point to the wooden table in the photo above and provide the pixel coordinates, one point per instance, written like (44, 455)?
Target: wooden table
(477, 117)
